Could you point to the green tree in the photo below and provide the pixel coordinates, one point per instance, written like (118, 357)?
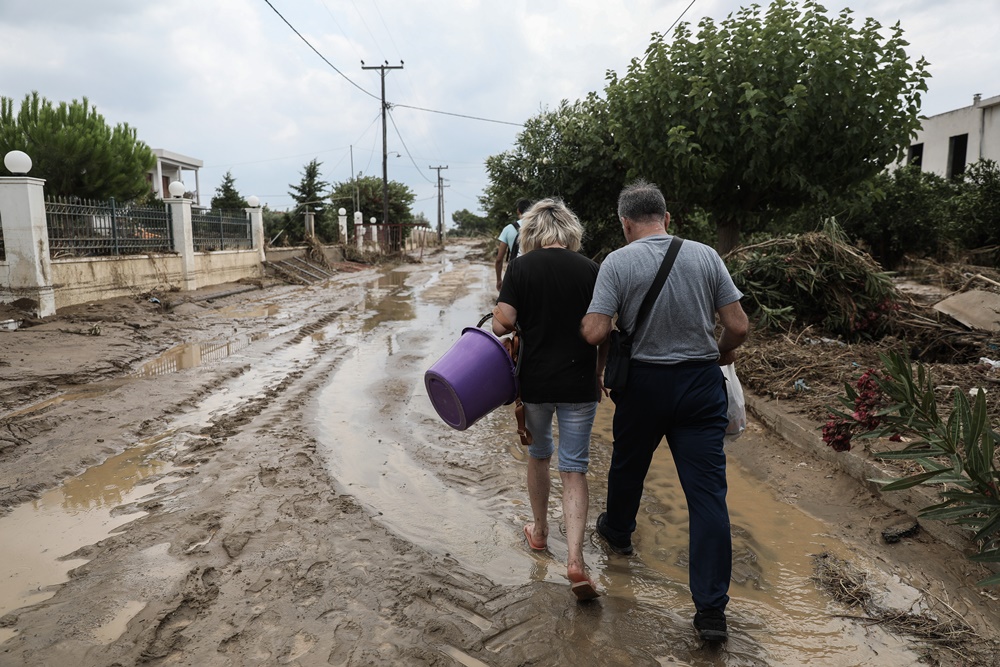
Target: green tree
(907, 212)
(977, 207)
(568, 153)
(367, 191)
(468, 223)
(764, 113)
(227, 198)
(74, 149)
(311, 194)
(279, 228)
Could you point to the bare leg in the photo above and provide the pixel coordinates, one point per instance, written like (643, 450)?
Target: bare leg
(575, 501)
(539, 485)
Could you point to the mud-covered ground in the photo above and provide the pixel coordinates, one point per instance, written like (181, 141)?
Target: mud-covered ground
(259, 479)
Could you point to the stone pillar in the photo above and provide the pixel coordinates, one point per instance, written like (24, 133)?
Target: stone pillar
(342, 225)
(26, 242)
(257, 229)
(180, 223)
(359, 230)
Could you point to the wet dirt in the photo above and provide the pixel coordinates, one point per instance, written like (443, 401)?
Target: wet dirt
(263, 481)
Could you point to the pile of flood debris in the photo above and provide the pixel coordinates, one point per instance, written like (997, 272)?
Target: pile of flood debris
(824, 310)
(936, 624)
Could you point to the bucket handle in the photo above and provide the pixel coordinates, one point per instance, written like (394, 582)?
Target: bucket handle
(517, 332)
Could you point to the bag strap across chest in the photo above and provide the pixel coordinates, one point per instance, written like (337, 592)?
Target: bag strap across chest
(658, 282)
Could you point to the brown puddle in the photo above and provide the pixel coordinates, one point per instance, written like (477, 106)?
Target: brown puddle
(36, 537)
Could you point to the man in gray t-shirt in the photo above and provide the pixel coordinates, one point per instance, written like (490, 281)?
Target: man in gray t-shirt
(675, 389)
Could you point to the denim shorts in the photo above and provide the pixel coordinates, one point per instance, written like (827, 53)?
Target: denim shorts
(576, 420)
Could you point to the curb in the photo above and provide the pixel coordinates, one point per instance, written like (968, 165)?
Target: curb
(858, 463)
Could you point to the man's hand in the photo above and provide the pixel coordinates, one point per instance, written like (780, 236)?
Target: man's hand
(727, 358)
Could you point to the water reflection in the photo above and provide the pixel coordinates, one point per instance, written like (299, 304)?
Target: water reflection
(252, 310)
(192, 355)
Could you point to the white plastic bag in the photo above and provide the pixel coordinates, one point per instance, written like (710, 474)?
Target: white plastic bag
(737, 412)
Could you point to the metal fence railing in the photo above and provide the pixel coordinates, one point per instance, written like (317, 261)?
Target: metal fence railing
(81, 228)
(3, 249)
(221, 230)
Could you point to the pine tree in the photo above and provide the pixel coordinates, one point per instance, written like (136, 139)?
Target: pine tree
(312, 194)
(227, 198)
(74, 149)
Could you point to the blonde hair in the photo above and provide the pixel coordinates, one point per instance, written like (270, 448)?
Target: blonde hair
(547, 222)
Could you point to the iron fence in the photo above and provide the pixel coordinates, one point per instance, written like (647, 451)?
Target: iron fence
(82, 228)
(3, 250)
(221, 230)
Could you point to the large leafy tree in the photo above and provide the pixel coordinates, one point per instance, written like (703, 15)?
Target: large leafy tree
(569, 153)
(227, 197)
(75, 150)
(367, 192)
(766, 111)
(468, 223)
(311, 194)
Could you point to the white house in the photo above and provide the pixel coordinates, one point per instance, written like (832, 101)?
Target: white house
(170, 167)
(949, 141)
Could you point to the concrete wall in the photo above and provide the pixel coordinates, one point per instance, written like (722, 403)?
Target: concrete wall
(226, 266)
(85, 279)
(980, 122)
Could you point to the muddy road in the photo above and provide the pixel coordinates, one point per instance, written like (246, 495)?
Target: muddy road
(260, 479)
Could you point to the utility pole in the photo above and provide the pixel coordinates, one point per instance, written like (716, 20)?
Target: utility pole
(355, 195)
(385, 167)
(440, 204)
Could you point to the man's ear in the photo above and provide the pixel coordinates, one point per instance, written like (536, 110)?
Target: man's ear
(666, 221)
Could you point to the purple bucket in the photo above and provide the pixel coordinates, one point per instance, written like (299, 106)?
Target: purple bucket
(473, 378)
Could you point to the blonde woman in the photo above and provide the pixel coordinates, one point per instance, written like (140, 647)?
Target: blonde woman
(546, 291)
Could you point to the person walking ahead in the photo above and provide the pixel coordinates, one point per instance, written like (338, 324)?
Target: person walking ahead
(508, 247)
(546, 292)
(675, 389)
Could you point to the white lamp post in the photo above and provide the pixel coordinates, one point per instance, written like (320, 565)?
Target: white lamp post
(176, 189)
(17, 162)
(253, 201)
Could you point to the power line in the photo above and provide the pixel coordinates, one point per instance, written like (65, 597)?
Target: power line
(317, 52)
(405, 148)
(372, 95)
(459, 115)
(676, 21)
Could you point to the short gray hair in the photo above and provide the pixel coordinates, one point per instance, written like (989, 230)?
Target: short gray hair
(642, 201)
(550, 221)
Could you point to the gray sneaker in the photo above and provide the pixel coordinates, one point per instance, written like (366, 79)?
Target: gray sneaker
(621, 548)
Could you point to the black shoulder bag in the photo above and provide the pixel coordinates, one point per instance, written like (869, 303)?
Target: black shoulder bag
(620, 349)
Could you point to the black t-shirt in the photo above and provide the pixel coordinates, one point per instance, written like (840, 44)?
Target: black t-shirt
(551, 289)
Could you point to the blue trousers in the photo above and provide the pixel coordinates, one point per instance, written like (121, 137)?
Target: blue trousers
(686, 403)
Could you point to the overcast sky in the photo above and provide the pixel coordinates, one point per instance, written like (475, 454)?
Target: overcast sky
(230, 83)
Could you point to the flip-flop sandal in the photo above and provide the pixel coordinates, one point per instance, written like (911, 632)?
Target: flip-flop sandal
(585, 590)
(534, 547)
